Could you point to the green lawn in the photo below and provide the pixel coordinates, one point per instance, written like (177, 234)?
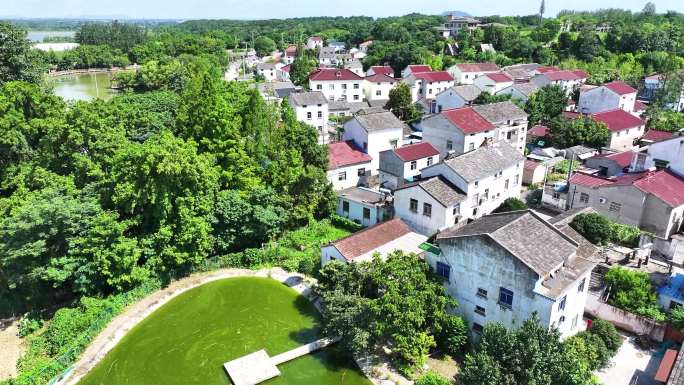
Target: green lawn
(187, 340)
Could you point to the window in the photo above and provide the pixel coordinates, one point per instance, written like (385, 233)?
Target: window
(308, 115)
(356, 97)
(413, 206)
(320, 114)
(342, 176)
(345, 207)
(429, 161)
(580, 288)
(449, 145)
(471, 146)
(477, 328)
(561, 320)
(476, 199)
(361, 172)
(574, 323)
(427, 209)
(482, 293)
(365, 146)
(378, 93)
(486, 194)
(506, 185)
(344, 86)
(516, 179)
(319, 86)
(394, 143)
(356, 86)
(366, 213)
(561, 304)
(457, 209)
(615, 207)
(480, 310)
(332, 86)
(477, 183)
(505, 298)
(584, 198)
(443, 270)
(414, 165)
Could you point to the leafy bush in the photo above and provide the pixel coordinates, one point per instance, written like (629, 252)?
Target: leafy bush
(633, 291)
(511, 204)
(454, 335)
(677, 317)
(432, 378)
(600, 230)
(593, 348)
(29, 325)
(608, 334)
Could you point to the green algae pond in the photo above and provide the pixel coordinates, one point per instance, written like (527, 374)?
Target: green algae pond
(187, 340)
(86, 86)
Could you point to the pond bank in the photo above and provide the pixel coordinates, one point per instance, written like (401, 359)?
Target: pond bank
(84, 71)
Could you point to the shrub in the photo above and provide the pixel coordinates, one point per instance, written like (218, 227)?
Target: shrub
(595, 227)
(29, 325)
(677, 317)
(511, 204)
(454, 335)
(632, 290)
(432, 378)
(608, 334)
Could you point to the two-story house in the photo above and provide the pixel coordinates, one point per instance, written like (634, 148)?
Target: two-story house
(429, 205)
(510, 121)
(347, 165)
(668, 152)
(402, 165)
(455, 97)
(520, 91)
(363, 205)
(374, 131)
(314, 42)
(355, 66)
(327, 56)
(624, 127)
(466, 73)
(312, 108)
(609, 96)
(415, 69)
(492, 83)
(505, 267)
(377, 87)
(380, 70)
(267, 70)
(567, 80)
(426, 85)
(337, 84)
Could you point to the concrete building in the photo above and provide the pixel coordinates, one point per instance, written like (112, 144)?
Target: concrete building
(347, 165)
(466, 73)
(312, 108)
(314, 42)
(337, 84)
(666, 153)
(652, 201)
(354, 66)
(429, 205)
(383, 239)
(426, 85)
(487, 176)
(455, 97)
(568, 80)
(465, 129)
(275, 92)
(402, 165)
(520, 91)
(268, 71)
(505, 267)
(378, 86)
(415, 69)
(492, 83)
(609, 96)
(611, 164)
(534, 172)
(654, 83)
(363, 205)
(327, 56)
(373, 132)
(380, 70)
(455, 25)
(624, 127)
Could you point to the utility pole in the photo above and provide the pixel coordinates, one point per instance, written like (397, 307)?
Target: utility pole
(542, 9)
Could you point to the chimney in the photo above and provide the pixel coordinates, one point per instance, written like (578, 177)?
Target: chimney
(338, 74)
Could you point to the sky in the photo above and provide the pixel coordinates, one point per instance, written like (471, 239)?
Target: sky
(265, 9)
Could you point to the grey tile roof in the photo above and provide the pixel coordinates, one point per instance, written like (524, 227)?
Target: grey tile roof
(468, 92)
(500, 112)
(485, 161)
(535, 242)
(308, 98)
(363, 195)
(347, 106)
(265, 66)
(439, 188)
(526, 89)
(374, 120)
(327, 53)
(354, 64)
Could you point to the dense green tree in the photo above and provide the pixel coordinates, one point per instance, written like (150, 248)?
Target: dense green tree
(264, 45)
(511, 204)
(401, 104)
(546, 104)
(633, 291)
(123, 36)
(302, 66)
(17, 60)
(580, 131)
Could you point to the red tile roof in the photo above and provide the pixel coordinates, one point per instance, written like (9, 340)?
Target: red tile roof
(618, 120)
(478, 67)
(623, 159)
(654, 77)
(563, 75)
(291, 48)
(571, 115)
(581, 74)
(657, 136)
(387, 70)
(530, 164)
(416, 151)
(371, 238)
(664, 184)
(327, 74)
(640, 106)
(418, 68)
(545, 69)
(286, 68)
(316, 38)
(381, 78)
(499, 77)
(436, 76)
(620, 88)
(467, 120)
(589, 180)
(341, 154)
(666, 365)
(538, 131)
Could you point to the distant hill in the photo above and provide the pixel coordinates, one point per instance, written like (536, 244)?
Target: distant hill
(456, 13)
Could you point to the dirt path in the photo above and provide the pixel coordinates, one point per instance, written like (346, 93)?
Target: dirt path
(11, 346)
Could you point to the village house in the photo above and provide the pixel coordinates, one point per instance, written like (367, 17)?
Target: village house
(454, 97)
(402, 165)
(466, 73)
(377, 87)
(429, 205)
(457, 24)
(415, 69)
(624, 127)
(426, 85)
(653, 136)
(380, 70)
(338, 46)
(327, 57)
(665, 153)
(522, 73)
(347, 165)
(314, 42)
(365, 46)
(383, 238)
(492, 83)
(354, 66)
(466, 129)
(654, 83)
(568, 80)
(267, 70)
(312, 108)
(609, 96)
(505, 267)
(520, 91)
(290, 54)
(534, 172)
(363, 205)
(283, 73)
(275, 92)
(374, 131)
(337, 84)
(611, 164)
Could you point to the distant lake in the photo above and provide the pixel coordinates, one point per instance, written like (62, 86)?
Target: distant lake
(84, 86)
(38, 36)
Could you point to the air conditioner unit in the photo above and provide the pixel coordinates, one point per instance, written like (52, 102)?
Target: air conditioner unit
(603, 200)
